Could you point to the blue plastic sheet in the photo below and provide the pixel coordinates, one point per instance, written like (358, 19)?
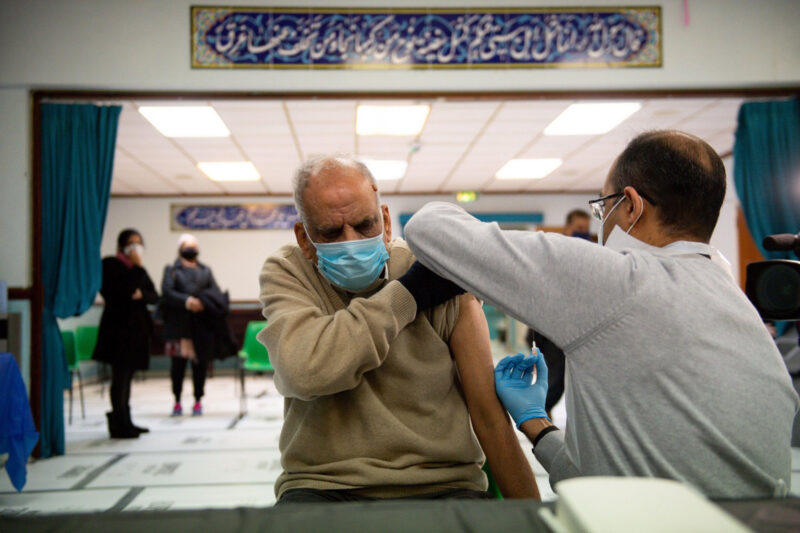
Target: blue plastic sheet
(18, 434)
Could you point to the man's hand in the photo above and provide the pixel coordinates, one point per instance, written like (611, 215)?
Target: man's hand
(137, 294)
(512, 380)
(428, 288)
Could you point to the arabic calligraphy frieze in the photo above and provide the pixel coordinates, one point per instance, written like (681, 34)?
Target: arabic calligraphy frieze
(232, 217)
(225, 37)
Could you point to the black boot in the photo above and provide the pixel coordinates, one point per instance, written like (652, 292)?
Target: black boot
(129, 422)
(117, 429)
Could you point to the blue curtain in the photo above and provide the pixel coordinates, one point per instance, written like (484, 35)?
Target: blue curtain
(78, 143)
(766, 169)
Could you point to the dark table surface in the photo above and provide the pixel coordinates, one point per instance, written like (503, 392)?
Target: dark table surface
(766, 516)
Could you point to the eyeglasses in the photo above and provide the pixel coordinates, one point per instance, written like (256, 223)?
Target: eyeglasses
(598, 205)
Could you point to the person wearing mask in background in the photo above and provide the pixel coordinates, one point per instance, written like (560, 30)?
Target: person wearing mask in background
(189, 294)
(380, 381)
(123, 338)
(672, 373)
(577, 225)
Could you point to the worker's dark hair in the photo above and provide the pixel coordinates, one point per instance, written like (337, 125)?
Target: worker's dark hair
(577, 213)
(124, 236)
(678, 173)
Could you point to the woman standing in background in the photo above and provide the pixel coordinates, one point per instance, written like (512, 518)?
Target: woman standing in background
(192, 305)
(123, 339)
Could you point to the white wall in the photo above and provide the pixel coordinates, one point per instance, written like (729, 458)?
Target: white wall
(15, 188)
(145, 44)
(235, 257)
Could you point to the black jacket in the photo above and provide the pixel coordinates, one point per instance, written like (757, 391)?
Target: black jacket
(208, 329)
(125, 329)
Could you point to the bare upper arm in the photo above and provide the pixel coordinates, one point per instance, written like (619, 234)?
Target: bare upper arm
(469, 344)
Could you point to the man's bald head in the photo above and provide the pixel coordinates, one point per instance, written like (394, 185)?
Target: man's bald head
(680, 174)
(326, 168)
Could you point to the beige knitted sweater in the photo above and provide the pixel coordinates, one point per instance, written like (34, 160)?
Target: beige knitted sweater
(372, 400)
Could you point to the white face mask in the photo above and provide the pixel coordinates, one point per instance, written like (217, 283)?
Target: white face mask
(138, 248)
(603, 224)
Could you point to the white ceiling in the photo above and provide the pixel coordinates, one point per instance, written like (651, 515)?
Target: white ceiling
(462, 146)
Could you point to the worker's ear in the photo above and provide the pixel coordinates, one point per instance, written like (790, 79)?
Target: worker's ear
(387, 224)
(304, 242)
(631, 210)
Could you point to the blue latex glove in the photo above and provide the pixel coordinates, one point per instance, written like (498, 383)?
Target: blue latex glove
(512, 380)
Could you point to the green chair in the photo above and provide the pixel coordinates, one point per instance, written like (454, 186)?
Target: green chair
(68, 337)
(85, 341)
(253, 357)
(493, 489)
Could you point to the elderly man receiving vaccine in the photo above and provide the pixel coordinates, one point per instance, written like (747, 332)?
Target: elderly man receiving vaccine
(383, 383)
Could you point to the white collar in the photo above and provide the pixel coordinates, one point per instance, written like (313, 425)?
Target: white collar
(620, 241)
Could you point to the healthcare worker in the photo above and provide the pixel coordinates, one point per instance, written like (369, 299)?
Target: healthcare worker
(671, 371)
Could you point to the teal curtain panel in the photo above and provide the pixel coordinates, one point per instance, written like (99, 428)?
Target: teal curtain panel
(78, 143)
(766, 169)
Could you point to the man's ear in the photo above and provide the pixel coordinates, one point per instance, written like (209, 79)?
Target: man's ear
(309, 252)
(634, 207)
(387, 223)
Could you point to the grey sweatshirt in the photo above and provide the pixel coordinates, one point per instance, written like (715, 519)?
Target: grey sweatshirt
(671, 372)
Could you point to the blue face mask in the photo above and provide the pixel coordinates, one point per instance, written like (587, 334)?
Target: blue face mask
(352, 265)
(584, 236)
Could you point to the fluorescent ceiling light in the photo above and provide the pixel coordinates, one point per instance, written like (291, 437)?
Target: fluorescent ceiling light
(525, 169)
(185, 121)
(591, 119)
(391, 119)
(386, 169)
(230, 171)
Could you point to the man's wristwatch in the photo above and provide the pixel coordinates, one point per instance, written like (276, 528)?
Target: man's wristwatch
(542, 433)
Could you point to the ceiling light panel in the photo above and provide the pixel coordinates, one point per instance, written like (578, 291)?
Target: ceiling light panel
(591, 118)
(527, 168)
(391, 120)
(229, 170)
(185, 121)
(386, 169)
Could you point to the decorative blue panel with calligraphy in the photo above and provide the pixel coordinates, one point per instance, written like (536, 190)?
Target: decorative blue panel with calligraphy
(313, 38)
(229, 217)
